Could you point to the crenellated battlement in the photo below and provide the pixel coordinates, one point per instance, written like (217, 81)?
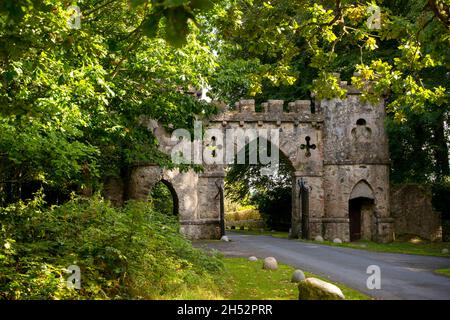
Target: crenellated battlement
(271, 111)
(273, 106)
(279, 110)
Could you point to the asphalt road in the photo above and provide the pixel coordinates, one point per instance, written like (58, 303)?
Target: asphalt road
(403, 276)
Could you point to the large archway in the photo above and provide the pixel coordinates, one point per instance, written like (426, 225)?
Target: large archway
(268, 197)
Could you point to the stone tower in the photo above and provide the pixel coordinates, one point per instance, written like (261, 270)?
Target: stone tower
(355, 170)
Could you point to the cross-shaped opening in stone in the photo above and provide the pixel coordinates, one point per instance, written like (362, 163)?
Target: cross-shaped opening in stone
(214, 153)
(214, 146)
(308, 146)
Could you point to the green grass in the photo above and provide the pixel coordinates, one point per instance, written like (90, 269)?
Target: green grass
(276, 234)
(445, 272)
(414, 246)
(246, 280)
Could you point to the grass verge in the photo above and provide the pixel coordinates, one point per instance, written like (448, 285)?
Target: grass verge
(445, 272)
(418, 247)
(276, 234)
(246, 280)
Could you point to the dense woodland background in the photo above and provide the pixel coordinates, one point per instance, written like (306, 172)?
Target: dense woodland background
(70, 102)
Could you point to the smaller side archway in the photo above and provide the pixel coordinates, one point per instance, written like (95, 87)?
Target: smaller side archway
(165, 197)
(362, 219)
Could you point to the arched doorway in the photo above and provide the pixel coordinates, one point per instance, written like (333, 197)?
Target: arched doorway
(164, 198)
(270, 195)
(362, 219)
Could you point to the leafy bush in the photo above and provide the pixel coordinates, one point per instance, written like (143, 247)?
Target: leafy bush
(162, 199)
(129, 253)
(275, 206)
(248, 214)
(271, 195)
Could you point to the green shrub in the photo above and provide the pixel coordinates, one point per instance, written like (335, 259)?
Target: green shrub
(129, 253)
(275, 206)
(247, 214)
(161, 199)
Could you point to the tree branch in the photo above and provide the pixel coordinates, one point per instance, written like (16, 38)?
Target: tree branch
(433, 5)
(338, 13)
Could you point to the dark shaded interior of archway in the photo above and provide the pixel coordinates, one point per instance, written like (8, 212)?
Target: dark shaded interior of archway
(271, 195)
(355, 216)
(164, 198)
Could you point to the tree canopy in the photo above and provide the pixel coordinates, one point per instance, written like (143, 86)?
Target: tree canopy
(71, 99)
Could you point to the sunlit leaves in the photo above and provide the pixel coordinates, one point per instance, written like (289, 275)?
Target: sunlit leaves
(380, 78)
(327, 86)
(371, 44)
(329, 38)
(123, 253)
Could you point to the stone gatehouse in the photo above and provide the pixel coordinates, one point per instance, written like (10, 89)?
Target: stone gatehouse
(340, 182)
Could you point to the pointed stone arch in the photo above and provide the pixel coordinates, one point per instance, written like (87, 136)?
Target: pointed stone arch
(284, 164)
(173, 192)
(362, 190)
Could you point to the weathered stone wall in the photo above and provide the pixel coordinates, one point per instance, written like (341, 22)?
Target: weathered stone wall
(339, 182)
(198, 209)
(294, 126)
(314, 184)
(185, 184)
(354, 132)
(297, 128)
(113, 190)
(413, 213)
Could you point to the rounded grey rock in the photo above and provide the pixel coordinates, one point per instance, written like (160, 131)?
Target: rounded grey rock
(444, 251)
(225, 238)
(298, 276)
(316, 289)
(318, 239)
(252, 258)
(337, 240)
(270, 263)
